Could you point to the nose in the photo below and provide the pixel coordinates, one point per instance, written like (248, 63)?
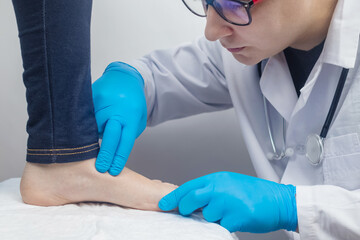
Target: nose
(216, 26)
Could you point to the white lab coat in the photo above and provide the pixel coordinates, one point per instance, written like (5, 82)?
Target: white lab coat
(202, 77)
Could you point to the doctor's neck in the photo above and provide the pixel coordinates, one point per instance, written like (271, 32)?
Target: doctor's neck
(320, 18)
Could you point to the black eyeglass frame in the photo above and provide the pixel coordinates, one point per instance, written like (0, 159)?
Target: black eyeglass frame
(246, 4)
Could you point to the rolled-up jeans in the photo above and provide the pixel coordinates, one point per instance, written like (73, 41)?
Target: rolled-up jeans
(55, 47)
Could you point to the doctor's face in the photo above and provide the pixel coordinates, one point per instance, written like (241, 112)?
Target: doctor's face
(276, 25)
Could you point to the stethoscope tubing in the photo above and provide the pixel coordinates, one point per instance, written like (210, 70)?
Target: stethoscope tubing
(334, 103)
(276, 156)
(325, 128)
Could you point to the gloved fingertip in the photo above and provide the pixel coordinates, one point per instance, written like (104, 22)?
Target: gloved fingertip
(101, 170)
(117, 166)
(163, 205)
(115, 171)
(100, 166)
(166, 203)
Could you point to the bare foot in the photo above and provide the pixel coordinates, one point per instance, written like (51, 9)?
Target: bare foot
(59, 184)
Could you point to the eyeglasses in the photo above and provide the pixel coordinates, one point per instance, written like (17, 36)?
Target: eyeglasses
(236, 12)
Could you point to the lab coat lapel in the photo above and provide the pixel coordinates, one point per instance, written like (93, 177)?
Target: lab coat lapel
(277, 86)
(307, 89)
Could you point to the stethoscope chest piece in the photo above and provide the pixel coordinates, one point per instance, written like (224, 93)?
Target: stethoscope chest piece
(314, 148)
(314, 143)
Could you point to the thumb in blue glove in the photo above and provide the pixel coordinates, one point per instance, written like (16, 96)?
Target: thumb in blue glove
(238, 202)
(121, 114)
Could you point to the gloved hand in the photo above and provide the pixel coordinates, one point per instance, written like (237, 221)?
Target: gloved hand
(241, 203)
(120, 111)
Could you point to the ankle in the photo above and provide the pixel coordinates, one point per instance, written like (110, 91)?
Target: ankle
(51, 184)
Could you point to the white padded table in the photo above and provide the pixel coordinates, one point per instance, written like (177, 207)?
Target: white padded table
(96, 221)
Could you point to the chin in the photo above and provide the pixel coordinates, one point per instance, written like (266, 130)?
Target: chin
(249, 61)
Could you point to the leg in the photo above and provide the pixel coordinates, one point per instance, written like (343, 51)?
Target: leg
(55, 47)
(58, 184)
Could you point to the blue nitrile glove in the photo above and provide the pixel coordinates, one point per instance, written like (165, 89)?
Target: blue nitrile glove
(241, 203)
(120, 111)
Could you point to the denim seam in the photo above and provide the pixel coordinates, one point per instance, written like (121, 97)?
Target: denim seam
(47, 72)
(63, 149)
(61, 154)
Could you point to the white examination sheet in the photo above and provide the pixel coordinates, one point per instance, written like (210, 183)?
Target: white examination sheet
(96, 221)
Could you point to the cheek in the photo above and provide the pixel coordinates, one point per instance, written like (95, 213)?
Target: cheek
(265, 37)
(268, 42)
(270, 32)
(279, 33)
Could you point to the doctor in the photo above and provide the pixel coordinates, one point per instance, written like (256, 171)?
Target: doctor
(290, 69)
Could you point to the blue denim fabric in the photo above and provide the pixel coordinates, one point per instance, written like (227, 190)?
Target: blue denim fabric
(55, 46)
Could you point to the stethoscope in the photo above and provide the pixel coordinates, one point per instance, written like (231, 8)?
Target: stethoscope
(314, 145)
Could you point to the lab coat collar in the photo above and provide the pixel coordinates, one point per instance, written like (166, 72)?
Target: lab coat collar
(277, 86)
(342, 41)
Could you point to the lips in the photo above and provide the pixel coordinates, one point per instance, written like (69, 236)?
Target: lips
(231, 49)
(235, 50)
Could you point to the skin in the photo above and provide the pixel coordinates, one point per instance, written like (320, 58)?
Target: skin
(276, 25)
(64, 183)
